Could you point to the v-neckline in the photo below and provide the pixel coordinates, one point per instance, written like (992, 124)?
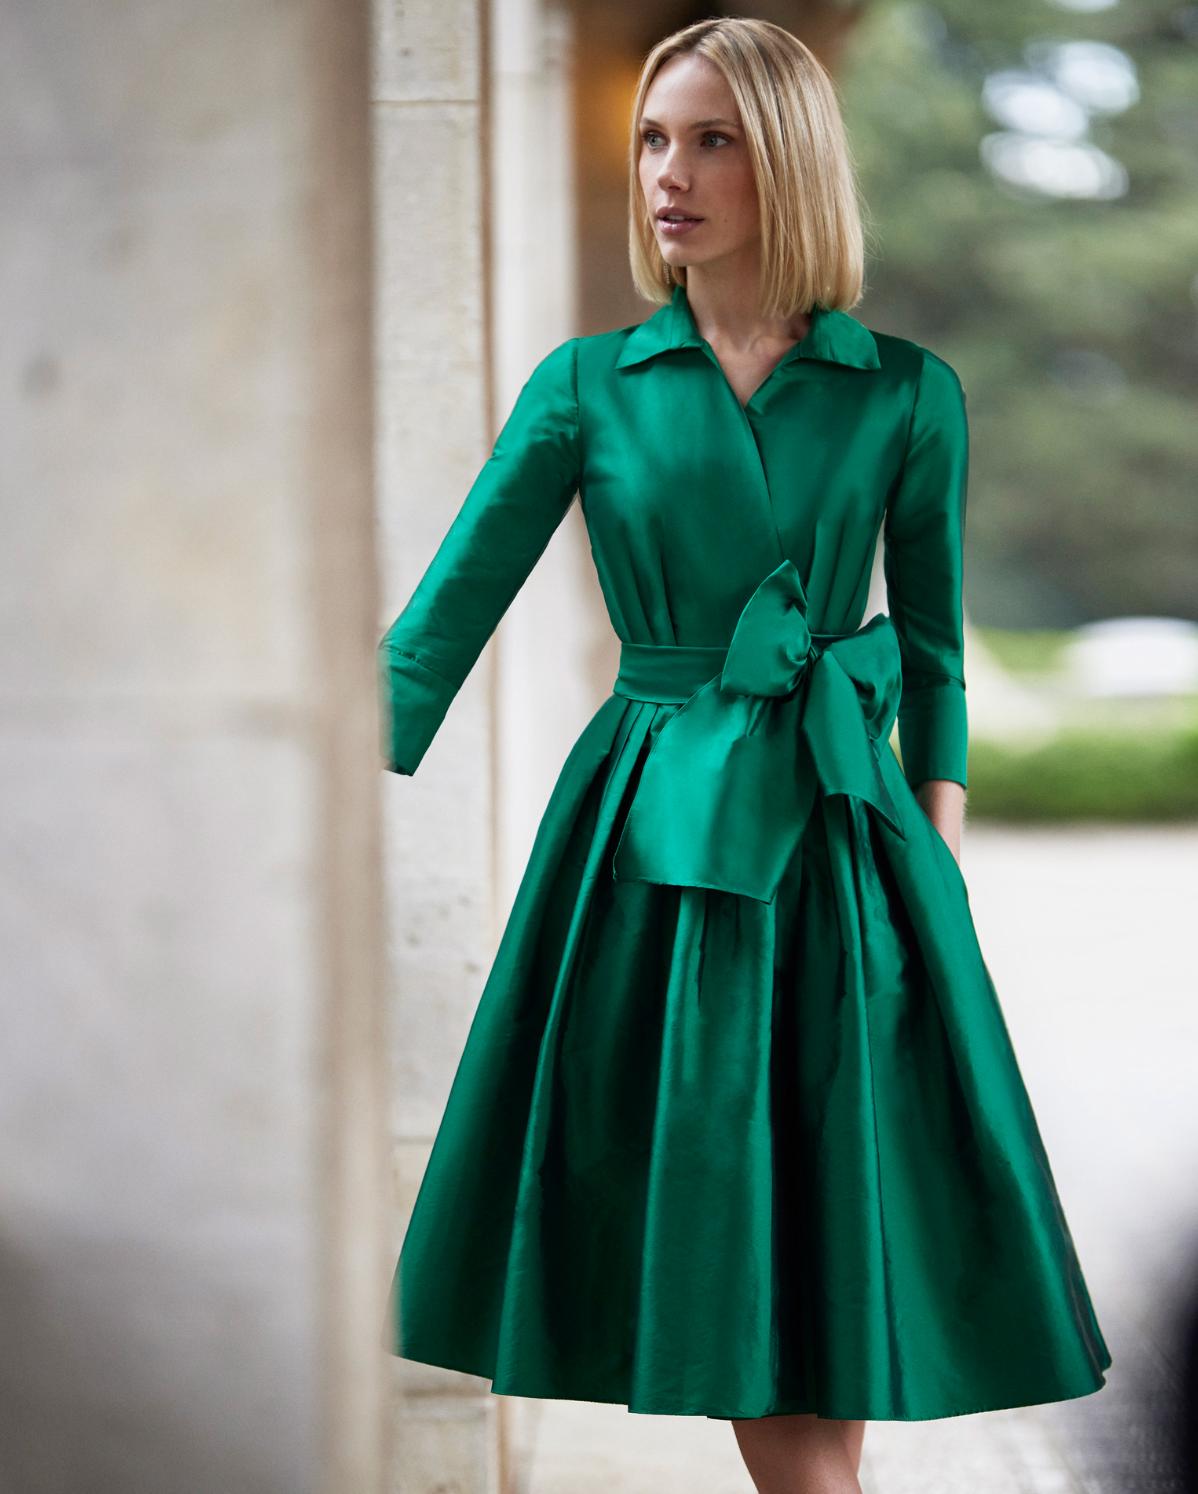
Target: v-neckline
(788, 356)
(748, 432)
(681, 301)
(790, 353)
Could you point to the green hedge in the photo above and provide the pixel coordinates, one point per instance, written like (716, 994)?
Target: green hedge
(1084, 773)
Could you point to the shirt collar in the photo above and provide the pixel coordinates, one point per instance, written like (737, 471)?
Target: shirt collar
(833, 337)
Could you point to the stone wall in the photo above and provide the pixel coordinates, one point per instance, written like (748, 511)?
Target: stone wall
(192, 1172)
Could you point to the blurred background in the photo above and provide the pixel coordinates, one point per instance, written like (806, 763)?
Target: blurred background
(272, 276)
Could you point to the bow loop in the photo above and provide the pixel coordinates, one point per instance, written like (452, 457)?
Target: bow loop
(729, 784)
(871, 660)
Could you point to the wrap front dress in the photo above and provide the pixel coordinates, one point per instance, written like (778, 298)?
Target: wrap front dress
(738, 1128)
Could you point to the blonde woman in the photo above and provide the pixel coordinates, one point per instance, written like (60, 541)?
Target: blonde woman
(738, 1130)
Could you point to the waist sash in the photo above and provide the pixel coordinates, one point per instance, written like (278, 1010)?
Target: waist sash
(762, 727)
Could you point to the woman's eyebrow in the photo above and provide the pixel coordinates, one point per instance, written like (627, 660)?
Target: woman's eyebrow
(699, 124)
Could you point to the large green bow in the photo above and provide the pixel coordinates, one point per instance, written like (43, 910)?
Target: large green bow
(729, 784)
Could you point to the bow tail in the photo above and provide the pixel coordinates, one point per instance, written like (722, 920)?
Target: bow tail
(723, 798)
(837, 734)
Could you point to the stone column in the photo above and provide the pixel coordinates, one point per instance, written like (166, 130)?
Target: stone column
(192, 1176)
(475, 284)
(435, 420)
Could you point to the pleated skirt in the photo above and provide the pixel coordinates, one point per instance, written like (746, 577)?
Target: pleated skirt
(704, 1155)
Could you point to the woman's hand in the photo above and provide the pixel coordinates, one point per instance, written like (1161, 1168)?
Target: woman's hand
(943, 801)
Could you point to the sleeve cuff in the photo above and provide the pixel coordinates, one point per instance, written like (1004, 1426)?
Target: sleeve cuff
(413, 700)
(934, 731)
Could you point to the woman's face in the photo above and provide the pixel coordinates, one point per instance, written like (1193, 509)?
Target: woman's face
(694, 158)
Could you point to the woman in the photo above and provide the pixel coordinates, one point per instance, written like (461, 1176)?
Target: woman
(738, 1130)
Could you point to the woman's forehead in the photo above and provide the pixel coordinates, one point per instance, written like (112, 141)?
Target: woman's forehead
(693, 86)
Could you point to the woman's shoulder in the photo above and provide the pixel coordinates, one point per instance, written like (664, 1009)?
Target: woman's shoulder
(928, 387)
(617, 345)
(595, 350)
(560, 375)
(913, 360)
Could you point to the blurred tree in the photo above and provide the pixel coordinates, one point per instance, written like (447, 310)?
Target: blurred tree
(1031, 176)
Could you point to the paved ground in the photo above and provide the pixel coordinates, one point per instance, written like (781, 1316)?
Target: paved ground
(1090, 937)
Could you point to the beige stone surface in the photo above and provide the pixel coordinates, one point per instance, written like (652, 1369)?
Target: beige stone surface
(191, 1084)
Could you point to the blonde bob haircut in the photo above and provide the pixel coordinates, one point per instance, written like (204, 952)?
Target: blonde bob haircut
(812, 239)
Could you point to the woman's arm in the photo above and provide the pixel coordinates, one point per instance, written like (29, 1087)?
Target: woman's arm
(518, 499)
(943, 801)
(924, 558)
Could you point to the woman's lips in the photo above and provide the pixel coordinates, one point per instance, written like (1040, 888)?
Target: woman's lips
(676, 230)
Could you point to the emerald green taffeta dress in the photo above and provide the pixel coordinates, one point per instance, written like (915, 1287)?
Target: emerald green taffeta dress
(738, 1128)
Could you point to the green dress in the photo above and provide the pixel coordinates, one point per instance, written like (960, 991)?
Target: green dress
(738, 1129)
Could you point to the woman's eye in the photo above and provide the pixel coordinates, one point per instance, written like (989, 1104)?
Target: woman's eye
(648, 136)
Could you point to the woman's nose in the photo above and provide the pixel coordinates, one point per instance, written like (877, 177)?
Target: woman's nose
(670, 175)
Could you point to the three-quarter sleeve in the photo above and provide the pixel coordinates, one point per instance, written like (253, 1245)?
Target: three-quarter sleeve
(520, 496)
(923, 546)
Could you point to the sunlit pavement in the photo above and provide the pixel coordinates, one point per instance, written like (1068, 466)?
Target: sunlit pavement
(1090, 936)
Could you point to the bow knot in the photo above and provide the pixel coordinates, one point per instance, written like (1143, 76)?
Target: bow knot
(729, 784)
(772, 644)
